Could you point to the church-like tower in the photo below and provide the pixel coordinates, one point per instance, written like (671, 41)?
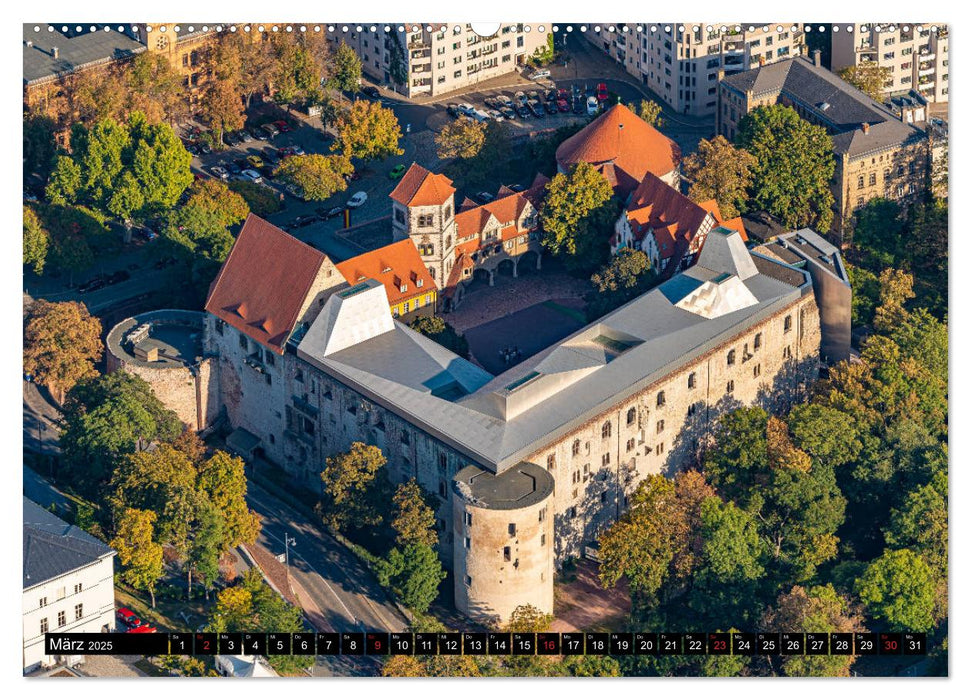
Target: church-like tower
(423, 208)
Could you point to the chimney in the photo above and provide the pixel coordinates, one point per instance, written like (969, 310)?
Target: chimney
(817, 58)
(866, 127)
(54, 52)
(30, 44)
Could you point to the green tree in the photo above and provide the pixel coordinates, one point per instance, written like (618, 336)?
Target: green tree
(398, 67)
(261, 200)
(62, 341)
(650, 112)
(879, 233)
(346, 70)
(626, 275)
(577, 216)
(866, 293)
(414, 515)
(201, 225)
(898, 588)
(40, 148)
(222, 107)
(154, 87)
(161, 481)
(126, 201)
(368, 131)
(442, 332)
(318, 176)
(108, 417)
(206, 546)
(64, 182)
(222, 478)
(355, 488)
(137, 551)
(868, 77)
(414, 573)
(36, 241)
(462, 138)
(793, 166)
(817, 609)
(720, 171)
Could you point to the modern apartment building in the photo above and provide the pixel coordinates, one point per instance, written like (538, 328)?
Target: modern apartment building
(436, 58)
(683, 62)
(916, 55)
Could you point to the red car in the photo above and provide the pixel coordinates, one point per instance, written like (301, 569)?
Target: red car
(143, 628)
(282, 126)
(127, 617)
(563, 100)
(602, 92)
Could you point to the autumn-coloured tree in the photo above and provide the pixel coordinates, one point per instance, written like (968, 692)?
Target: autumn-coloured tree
(528, 618)
(36, 241)
(222, 479)
(462, 138)
(414, 519)
(720, 171)
(201, 225)
(137, 550)
(62, 342)
(368, 131)
(869, 77)
(626, 275)
(317, 175)
(650, 112)
(355, 488)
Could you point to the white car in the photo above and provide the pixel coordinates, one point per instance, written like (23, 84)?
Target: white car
(465, 108)
(538, 74)
(251, 176)
(219, 172)
(494, 115)
(593, 105)
(357, 200)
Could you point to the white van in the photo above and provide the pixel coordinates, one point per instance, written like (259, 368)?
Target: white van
(478, 115)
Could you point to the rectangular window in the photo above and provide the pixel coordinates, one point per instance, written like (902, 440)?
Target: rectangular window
(692, 380)
(542, 515)
(506, 553)
(731, 386)
(757, 370)
(441, 488)
(468, 518)
(605, 460)
(468, 580)
(692, 409)
(787, 324)
(243, 343)
(43, 602)
(542, 540)
(269, 359)
(660, 448)
(468, 543)
(512, 529)
(660, 426)
(79, 611)
(61, 619)
(43, 625)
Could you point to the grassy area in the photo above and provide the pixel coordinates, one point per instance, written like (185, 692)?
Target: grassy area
(165, 616)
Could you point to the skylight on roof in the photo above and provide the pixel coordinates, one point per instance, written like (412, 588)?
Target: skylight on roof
(353, 290)
(525, 379)
(722, 277)
(612, 344)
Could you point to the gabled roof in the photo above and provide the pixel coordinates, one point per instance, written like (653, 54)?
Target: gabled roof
(420, 187)
(505, 211)
(264, 283)
(395, 266)
(53, 548)
(656, 205)
(75, 50)
(622, 146)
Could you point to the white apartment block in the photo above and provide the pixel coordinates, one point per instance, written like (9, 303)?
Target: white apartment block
(916, 55)
(433, 59)
(68, 584)
(683, 63)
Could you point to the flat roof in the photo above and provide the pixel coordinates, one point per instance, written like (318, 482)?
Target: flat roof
(522, 486)
(175, 333)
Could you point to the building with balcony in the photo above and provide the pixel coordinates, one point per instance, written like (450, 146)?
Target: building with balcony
(683, 62)
(915, 54)
(877, 154)
(437, 58)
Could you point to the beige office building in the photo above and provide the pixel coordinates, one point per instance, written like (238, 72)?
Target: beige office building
(682, 62)
(916, 55)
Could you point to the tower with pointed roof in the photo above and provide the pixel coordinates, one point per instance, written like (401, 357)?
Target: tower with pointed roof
(423, 209)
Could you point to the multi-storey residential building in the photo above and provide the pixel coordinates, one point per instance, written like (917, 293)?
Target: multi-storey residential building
(435, 58)
(635, 393)
(877, 154)
(916, 55)
(667, 226)
(68, 584)
(683, 62)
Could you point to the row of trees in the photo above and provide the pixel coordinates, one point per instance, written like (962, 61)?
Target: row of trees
(830, 518)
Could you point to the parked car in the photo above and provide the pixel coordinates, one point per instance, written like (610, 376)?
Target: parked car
(551, 108)
(92, 285)
(324, 213)
(270, 130)
(539, 74)
(533, 96)
(143, 628)
(452, 109)
(522, 111)
(507, 113)
(230, 139)
(516, 188)
(259, 134)
(231, 168)
(255, 161)
(371, 92)
(593, 105)
(602, 92)
(396, 172)
(578, 106)
(127, 617)
(244, 136)
(283, 126)
(304, 220)
(536, 109)
(563, 100)
(251, 176)
(520, 97)
(495, 115)
(205, 147)
(357, 200)
(220, 172)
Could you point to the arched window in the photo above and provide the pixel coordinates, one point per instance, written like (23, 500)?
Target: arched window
(731, 357)
(605, 430)
(631, 416)
(660, 399)
(692, 380)
(758, 340)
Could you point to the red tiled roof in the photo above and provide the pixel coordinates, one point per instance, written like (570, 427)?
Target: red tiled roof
(622, 146)
(657, 205)
(734, 224)
(264, 282)
(420, 187)
(394, 266)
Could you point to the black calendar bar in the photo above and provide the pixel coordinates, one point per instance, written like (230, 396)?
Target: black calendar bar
(490, 643)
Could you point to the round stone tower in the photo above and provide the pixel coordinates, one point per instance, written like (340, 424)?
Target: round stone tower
(502, 528)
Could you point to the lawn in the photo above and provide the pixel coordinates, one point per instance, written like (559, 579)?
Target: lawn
(165, 616)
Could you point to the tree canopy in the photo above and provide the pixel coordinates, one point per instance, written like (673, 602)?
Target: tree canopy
(356, 488)
(318, 176)
(202, 225)
(62, 343)
(720, 171)
(577, 216)
(627, 275)
(368, 131)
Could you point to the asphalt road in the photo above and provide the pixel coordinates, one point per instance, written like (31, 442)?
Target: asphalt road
(345, 592)
(40, 432)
